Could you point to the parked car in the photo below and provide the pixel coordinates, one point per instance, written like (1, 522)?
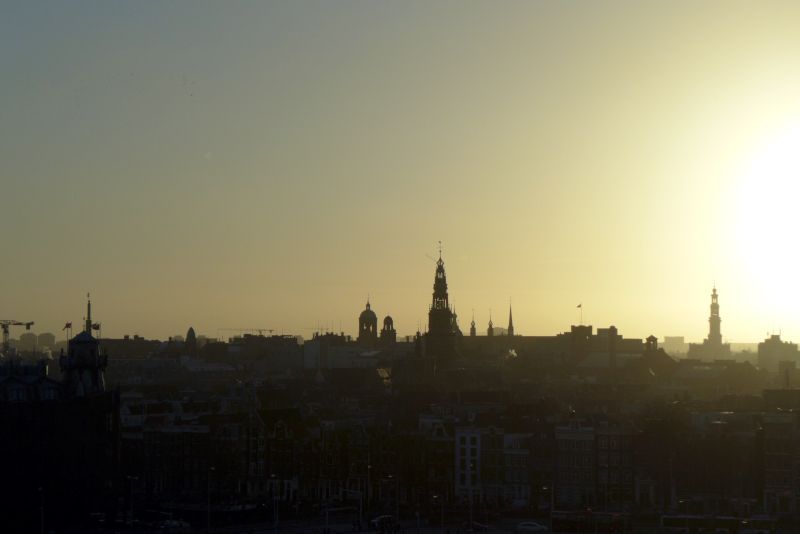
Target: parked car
(473, 527)
(532, 527)
(382, 521)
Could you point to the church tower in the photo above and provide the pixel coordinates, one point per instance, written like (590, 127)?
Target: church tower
(368, 327)
(83, 367)
(490, 330)
(714, 334)
(388, 334)
(440, 338)
(510, 322)
(472, 331)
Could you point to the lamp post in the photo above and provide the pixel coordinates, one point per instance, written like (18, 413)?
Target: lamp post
(441, 498)
(41, 489)
(130, 481)
(360, 508)
(208, 519)
(275, 501)
(396, 496)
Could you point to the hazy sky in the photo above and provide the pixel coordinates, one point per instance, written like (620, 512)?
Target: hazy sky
(269, 165)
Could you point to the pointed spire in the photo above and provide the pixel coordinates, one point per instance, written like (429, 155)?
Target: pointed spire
(88, 326)
(510, 320)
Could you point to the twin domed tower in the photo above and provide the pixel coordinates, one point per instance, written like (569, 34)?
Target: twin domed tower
(368, 329)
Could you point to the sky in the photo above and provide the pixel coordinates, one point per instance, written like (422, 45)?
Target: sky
(274, 164)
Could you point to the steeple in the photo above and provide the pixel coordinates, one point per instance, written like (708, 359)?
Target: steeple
(441, 335)
(490, 330)
(88, 326)
(510, 321)
(714, 334)
(472, 331)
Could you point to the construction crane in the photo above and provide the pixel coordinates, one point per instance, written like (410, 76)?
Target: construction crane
(5, 323)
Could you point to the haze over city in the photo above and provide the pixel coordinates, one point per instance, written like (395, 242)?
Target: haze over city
(271, 165)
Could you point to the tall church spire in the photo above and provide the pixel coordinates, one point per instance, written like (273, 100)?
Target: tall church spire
(441, 332)
(510, 321)
(88, 326)
(714, 334)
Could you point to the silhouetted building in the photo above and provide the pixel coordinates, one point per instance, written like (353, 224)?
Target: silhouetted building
(772, 350)
(388, 333)
(712, 347)
(60, 441)
(440, 343)
(368, 328)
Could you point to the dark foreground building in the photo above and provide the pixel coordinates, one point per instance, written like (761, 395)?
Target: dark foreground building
(59, 442)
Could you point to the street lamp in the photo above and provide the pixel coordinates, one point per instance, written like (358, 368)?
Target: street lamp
(275, 501)
(442, 500)
(42, 509)
(396, 495)
(131, 479)
(208, 522)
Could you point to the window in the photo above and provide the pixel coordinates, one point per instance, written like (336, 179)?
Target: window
(603, 458)
(626, 460)
(602, 443)
(463, 479)
(576, 477)
(562, 445)
(615, 443)
(587, 477)
(473, 452)
(473, 479)
(49, 394)
(603, 477)
(16, 394)
(626, 443)
(615, 478)
(473, 440)
(463, 464)
(462, 440)
(463, 451)
(626, 478)
(585, 461)
(614, 460)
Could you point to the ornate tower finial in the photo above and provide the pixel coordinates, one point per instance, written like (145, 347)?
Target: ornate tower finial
(472, 331)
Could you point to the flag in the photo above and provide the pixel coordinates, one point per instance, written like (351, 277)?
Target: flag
(580, 305)
(96, 326)
(68, 325)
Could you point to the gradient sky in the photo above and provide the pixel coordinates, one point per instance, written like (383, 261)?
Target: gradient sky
(270, 164)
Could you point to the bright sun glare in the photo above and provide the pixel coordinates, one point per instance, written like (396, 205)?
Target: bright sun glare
(767, 218)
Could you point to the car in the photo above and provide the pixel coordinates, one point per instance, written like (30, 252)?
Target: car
(473, 527)
(382, 521)
(531, 527)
